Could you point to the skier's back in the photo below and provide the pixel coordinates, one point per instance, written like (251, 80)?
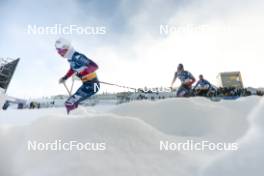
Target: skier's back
(84, 68)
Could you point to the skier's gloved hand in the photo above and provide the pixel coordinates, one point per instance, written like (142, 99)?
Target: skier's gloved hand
(63, 79)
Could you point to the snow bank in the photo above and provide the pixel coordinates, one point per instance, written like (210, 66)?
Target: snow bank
(27, 116)
(197, 117)
(250, 158)
(132, 133)
(132, 148)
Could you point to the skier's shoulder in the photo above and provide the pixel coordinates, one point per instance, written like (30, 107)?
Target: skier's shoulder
(186, 72)
(79, 57)
(199, 82)
(207, 82)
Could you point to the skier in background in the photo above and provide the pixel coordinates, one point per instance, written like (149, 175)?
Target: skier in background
(83, 67)
(186, 78)
(202, 87)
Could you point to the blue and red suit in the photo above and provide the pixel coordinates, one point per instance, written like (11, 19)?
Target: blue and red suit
(85, 69)
(187, 79)
(203, 84)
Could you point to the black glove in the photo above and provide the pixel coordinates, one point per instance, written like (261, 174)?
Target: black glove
(63, 79)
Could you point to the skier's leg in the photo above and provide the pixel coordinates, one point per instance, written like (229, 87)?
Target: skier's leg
(71, 104)
(85, 91)
(180, 91)
(184, 91)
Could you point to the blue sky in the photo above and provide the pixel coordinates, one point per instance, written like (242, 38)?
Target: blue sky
(132, 52)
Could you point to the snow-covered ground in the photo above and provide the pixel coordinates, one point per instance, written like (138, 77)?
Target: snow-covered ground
(132, 133)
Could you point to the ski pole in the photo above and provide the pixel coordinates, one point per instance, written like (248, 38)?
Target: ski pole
(72, 85)
(67, 88)
(112, 84)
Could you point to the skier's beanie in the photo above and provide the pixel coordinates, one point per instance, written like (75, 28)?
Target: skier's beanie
(62, 43)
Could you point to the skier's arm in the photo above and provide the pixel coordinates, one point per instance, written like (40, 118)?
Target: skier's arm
(208, 83)
(189, 80)
(192, 78)
(68, 74)
(90, 66)
(196, 85)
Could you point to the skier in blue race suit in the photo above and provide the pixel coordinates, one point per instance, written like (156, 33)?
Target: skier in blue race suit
(84, 68)
(186, 78)
(202, 83)
(203, 86)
